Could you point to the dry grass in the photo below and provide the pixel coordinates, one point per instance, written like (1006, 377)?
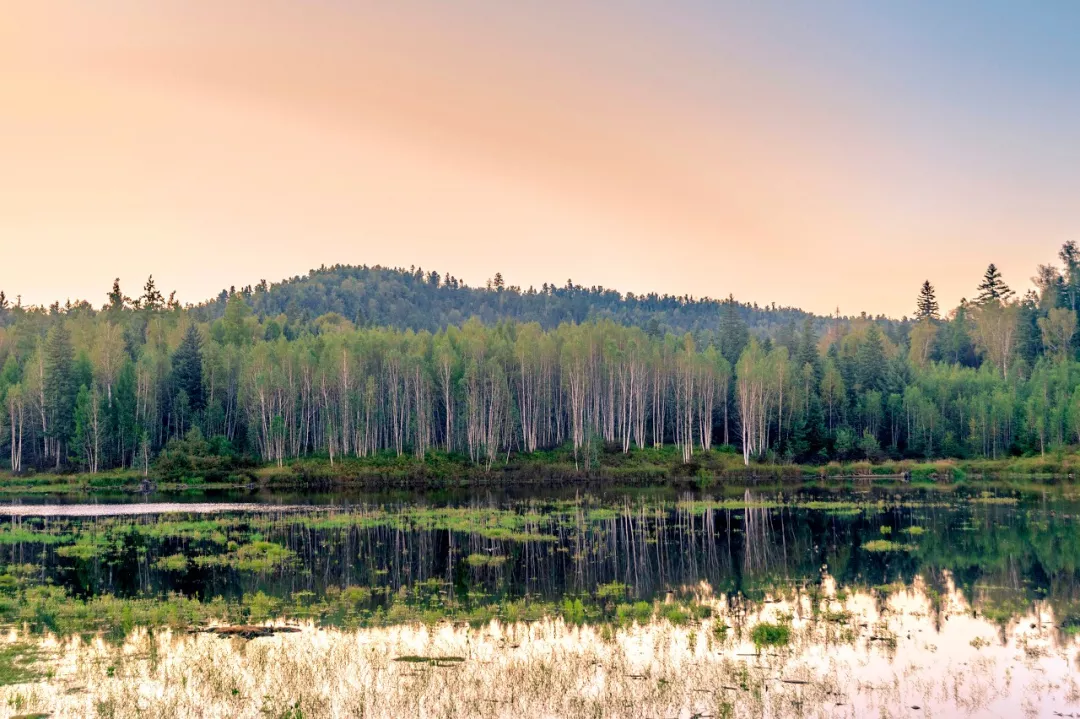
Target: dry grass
(844, 659)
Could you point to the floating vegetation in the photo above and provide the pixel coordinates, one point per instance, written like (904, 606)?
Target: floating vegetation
(485, 560)
(172, 563)
(258, 556)
(885, 545)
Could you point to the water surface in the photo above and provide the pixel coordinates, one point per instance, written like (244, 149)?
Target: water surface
(604, 547)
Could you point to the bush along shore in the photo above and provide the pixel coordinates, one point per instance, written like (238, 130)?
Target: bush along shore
(181, 470)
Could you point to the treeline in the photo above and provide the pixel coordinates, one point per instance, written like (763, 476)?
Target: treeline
(115, 387)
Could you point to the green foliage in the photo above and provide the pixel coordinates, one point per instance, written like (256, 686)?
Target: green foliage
(485, 560)
(193, 459)
(767, 634)
(884, 545)
(187, 372)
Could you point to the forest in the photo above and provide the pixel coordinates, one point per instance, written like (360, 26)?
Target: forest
(356, 362)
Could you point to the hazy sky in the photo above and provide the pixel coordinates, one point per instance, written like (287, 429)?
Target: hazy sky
(817, 154)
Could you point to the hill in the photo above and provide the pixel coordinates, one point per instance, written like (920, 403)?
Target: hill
(418, 300)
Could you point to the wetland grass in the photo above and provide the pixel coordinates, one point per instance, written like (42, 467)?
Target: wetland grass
(805, 655)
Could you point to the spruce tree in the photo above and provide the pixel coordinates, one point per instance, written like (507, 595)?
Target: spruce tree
(187, 368)
(871, 366)
(927, 305)
(993, 288)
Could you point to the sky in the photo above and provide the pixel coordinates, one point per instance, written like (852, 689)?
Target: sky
(822, 155)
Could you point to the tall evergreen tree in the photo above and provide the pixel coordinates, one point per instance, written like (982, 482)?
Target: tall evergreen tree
(187, 368)
(871, 365)
(927, 305)
(993, 288)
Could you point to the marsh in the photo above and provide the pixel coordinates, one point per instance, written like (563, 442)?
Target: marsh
(789, 601)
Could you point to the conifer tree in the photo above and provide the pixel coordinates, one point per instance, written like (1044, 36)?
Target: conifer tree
(993, 288)
(927, 304)
(871, 365)
(187, 368)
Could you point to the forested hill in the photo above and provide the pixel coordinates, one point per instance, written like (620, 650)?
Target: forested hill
(418, 300)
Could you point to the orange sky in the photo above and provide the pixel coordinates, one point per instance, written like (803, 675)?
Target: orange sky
(215, 144)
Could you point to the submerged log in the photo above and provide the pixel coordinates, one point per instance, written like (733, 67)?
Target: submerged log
(248, 631)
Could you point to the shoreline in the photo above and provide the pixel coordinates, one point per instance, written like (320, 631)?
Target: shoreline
(649, 467)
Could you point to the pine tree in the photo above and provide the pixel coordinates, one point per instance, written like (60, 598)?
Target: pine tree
(187, 368)
(993, 288)
(927, 305)
(871, 365)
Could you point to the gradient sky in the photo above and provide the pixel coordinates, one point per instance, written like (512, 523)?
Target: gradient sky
(813, 154)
